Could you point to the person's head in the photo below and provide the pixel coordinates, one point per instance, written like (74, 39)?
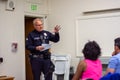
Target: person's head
(117, 45)
(38, 24)
(91, 50)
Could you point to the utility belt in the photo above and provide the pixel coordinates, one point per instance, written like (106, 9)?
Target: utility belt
(41, 55)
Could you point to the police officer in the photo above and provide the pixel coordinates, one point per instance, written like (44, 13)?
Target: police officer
(40, 57)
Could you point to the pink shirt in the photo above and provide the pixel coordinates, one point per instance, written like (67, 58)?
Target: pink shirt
(93, 70)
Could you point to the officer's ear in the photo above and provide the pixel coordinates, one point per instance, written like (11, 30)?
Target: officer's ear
(116, 49)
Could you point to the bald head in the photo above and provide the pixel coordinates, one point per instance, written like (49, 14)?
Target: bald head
(38, 24)
(36, 19)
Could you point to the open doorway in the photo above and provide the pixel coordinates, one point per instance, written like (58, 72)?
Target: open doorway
(28, 28)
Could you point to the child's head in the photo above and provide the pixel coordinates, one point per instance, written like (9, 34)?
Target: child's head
(91, 50)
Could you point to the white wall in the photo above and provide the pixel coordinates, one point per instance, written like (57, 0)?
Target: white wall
(12, 29)
(65, 12)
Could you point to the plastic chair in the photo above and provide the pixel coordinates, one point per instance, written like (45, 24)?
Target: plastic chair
(62, 66)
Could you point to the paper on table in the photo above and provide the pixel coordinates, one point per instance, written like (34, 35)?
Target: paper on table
(46, 46)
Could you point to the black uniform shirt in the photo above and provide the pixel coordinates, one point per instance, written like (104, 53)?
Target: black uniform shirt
(36, 38)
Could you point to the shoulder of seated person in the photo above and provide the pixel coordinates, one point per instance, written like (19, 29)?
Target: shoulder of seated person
(82, 62)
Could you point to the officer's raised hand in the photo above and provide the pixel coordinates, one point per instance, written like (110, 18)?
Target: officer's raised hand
(57, 28)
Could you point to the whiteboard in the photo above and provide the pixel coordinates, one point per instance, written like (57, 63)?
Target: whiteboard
(103, 30)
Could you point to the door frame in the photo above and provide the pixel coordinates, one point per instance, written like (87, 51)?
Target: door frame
(45, 27)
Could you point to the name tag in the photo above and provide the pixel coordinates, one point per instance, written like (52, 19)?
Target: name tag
(36, 38)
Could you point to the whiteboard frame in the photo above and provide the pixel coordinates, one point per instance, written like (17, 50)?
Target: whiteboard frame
(90, 17)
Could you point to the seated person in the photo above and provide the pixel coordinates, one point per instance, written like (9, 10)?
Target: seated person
(114, 62)
(90, 68)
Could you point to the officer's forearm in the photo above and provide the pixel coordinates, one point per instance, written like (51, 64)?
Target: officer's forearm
(30, 48)
(56, 37)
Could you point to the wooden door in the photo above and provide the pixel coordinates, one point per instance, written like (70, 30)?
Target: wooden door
(28, 28)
